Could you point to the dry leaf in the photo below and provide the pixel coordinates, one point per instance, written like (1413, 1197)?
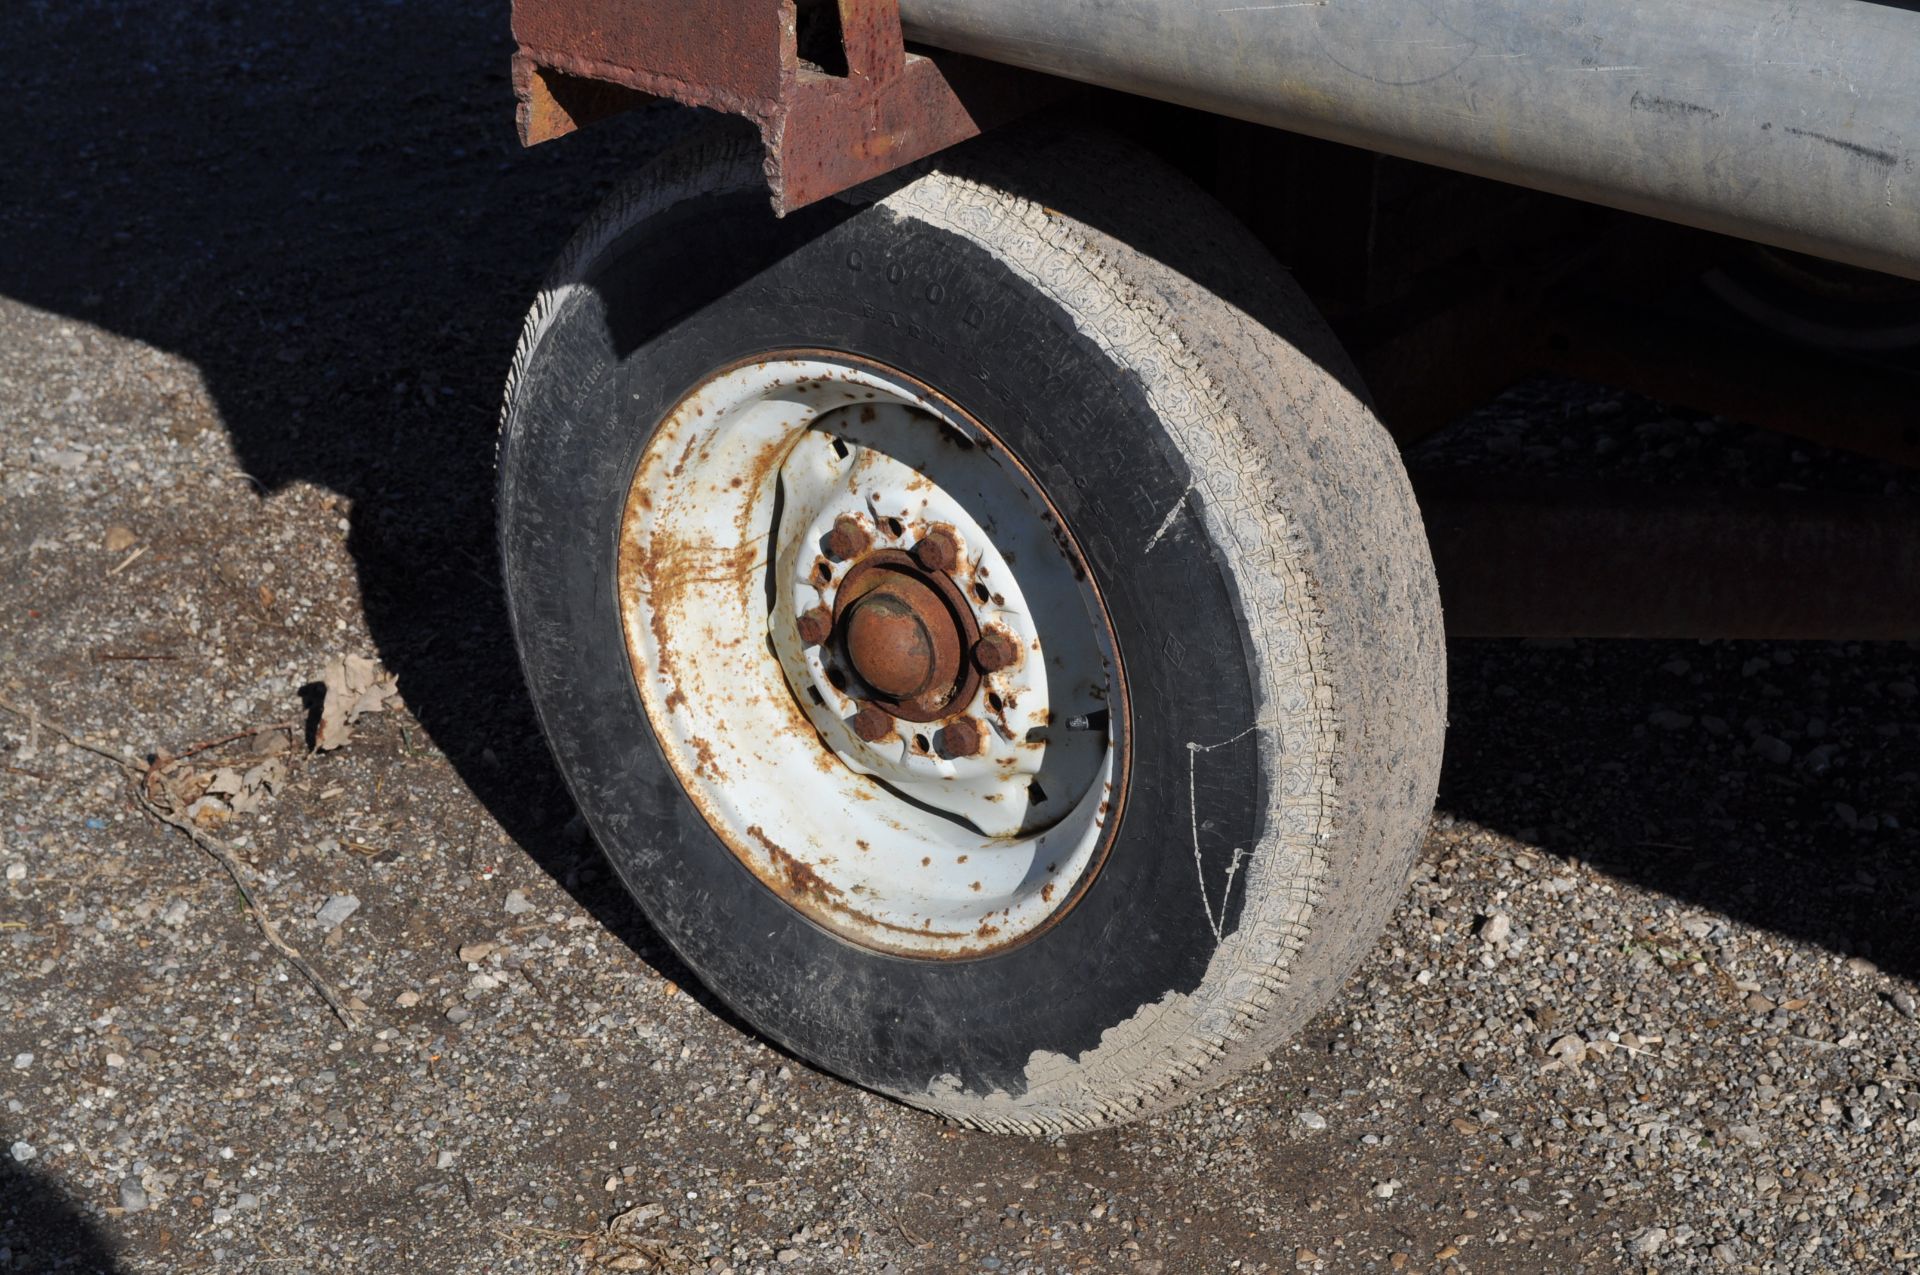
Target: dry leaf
(354, 685)
(225, 782)
(267, 777)
(268, 742)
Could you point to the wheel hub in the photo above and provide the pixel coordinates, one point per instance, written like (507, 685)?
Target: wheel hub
(901, 641)
(905, 633)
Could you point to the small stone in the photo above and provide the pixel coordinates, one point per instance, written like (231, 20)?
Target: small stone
(1312, 1119)
(1745, 1134)
(474, 953)
(116, 1060)
(16, 871)
(1305, 1257)
(119, 539)
(335, 910)
(1496, 928)
(133, 1196)
(1901, 1000)
(517, 903)
(22, 1061)
(787, 1255)
(222, 1216)
(24, 1151)
(407, 1000)
(444, 1160)
(175, 915)
(1758, 1004)
(1647, 1242)
(246, 1202)
(1568, 1051)
(1770, 748)
(62, 458)
(459, 1014)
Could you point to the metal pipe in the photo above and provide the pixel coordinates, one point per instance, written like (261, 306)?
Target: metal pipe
(1793, 122)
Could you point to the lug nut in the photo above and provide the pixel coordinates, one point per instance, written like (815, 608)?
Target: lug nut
(848, 539)
(815, 626)
(996, 650)
(937, 551)
(958, 738)
(872, 724)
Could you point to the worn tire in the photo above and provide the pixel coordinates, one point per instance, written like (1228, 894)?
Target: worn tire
(1205, 438)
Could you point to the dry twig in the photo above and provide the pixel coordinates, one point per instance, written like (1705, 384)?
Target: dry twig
(151, 794)
(222, 854)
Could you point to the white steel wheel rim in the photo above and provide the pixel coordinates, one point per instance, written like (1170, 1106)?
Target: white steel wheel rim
(898, 843)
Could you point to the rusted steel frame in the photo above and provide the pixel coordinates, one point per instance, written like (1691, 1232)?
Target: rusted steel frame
(1523, 558)
(581, 60)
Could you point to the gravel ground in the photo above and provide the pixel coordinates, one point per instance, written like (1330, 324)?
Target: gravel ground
(1650, 1003)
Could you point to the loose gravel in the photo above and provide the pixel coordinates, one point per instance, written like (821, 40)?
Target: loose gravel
(1649, 1003)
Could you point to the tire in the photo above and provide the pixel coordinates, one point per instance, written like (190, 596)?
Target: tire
(1246, 521)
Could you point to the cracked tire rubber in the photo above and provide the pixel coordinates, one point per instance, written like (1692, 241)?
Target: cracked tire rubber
(1246, 517)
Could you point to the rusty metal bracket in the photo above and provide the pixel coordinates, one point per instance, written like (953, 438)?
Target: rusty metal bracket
(856, 105)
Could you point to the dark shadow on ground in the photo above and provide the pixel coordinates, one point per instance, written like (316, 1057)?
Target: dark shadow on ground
(325, 209)
(40, 1230)
(1774, 783)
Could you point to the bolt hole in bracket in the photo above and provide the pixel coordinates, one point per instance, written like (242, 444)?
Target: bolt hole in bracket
(775, 63)
(888, 753)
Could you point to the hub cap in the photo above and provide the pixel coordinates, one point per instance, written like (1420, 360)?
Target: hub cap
(872, 656)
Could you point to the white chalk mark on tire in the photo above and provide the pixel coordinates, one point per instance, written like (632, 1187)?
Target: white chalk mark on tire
(1218, 924)
(1166, 523)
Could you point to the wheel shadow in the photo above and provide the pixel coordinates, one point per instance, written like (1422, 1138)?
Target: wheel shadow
(1772, 783)
(40, 1230)
(325, 209)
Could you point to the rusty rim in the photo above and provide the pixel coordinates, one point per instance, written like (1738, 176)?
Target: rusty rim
(917, 746)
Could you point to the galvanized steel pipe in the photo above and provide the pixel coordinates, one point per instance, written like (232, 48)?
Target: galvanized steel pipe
(1791, 123)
